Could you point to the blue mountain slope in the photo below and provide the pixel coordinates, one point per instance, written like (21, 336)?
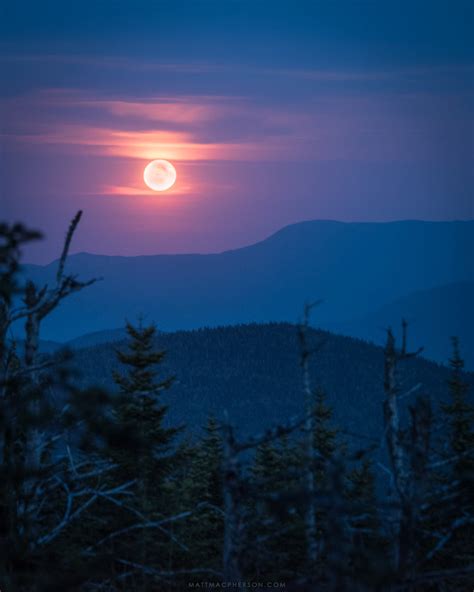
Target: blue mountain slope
(355, 268)
(433, 316)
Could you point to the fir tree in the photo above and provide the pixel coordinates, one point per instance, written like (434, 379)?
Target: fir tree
(460, 414)
(455, 519)
(325, 451)
(272, 516)
(201, 491)
(141, 412)
(325, 435)
(140, 409)
(207, 465)
(368, 548)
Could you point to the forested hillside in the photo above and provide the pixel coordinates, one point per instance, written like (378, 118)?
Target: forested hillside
(254, 372)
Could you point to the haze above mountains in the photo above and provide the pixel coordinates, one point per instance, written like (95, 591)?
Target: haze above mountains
(368, 275)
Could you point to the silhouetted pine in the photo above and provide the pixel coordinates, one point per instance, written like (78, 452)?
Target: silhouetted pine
(141, 412)
(451, 514)
(206, 465)
(200, 492)
(334, 511)
(460, 416)
(325, 435)
(276, 539)
(325, 446)
(368, 549)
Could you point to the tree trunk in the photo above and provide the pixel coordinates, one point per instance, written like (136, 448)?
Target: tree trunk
(233, 520)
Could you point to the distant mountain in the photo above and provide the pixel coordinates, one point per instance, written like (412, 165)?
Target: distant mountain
(253, 372)
(433, 316)
(355, 268)
(87, 340)
(97, 338)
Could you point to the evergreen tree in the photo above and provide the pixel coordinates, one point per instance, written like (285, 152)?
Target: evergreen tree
(455, 518)
(206, 468)
(460, 415)
(327, 449)
(369, 551)
(276, 531)
(325, 442)
(141, 411)
(201, 492)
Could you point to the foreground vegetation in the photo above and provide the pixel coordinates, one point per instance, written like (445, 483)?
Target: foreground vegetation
(99, 491)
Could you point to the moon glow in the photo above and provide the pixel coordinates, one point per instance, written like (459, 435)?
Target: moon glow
(159, 175)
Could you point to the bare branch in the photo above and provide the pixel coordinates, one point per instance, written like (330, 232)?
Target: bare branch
(67, 244)
(458, 523)
(269, 435)
(142, 526)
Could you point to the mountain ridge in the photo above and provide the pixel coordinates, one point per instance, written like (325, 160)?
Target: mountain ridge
(355, 268)
(263, 240)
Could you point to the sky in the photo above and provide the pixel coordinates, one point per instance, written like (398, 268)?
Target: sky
(271, 112)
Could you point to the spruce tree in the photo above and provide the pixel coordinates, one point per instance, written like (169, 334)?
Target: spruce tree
(141, 412)
(202, 490)
(458, 480)
(276, 535)
(460, 415)
(368, 553)
(140, 409)
(326, 447)
(267, 525)
(325, 441)
(207, 465)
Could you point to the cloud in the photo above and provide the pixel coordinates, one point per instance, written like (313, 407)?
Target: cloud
(168, 110)
(184, 128)
(333, 74)
(358, 126)
(146, 145)
(187, 109)
(114, 63)
(179, 189)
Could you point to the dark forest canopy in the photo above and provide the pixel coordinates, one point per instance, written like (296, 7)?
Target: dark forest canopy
(253, 372)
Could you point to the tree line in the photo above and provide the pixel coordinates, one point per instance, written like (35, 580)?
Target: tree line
(99, 492)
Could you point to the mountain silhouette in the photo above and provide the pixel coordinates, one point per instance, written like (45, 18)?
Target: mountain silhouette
(356, 269)
(433, 316)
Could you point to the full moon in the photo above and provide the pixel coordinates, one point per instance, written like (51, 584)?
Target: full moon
(159, 175)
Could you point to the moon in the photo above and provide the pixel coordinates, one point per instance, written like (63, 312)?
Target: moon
(159, 175)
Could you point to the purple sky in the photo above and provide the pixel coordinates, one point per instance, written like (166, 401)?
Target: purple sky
(268, 118)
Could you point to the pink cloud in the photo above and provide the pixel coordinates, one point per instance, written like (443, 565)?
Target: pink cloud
(146, 145)
(170, 110)
(179, 189)
(368, 127)
(181, 110)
